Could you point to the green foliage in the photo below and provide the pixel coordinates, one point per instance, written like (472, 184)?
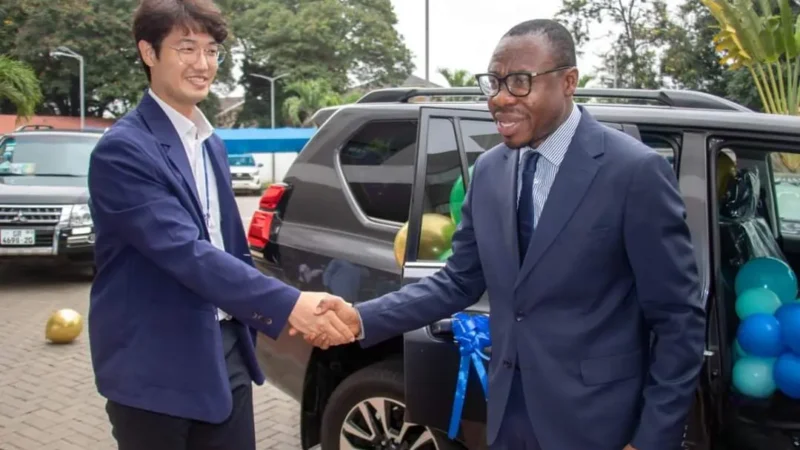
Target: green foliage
(345, 42)
(19, 86)
(342, 41)
(632, 60)
(458, 77)
(763, 37)
(307, 97)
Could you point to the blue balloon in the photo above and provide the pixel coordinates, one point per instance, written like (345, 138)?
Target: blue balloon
(770, 273)
(757, 300)
(789, 319)
(760, 335)
(787, 375)
(786, 308)
(752, 376)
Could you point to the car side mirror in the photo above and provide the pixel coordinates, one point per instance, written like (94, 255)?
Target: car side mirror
(260, 165)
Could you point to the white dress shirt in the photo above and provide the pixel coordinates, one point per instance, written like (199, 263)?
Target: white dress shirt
(193, 133)
(552, 152)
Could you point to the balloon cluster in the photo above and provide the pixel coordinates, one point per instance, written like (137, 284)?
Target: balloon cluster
(767, 346)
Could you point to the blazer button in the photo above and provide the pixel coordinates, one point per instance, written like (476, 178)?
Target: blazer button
(267, 321)
(256, 316)
(519, 317)
(507, 364)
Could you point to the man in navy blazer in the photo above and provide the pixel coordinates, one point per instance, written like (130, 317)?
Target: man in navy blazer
(176, 302)
(578, 232)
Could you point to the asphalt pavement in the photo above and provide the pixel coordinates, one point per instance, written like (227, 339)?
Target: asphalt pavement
(48, 399)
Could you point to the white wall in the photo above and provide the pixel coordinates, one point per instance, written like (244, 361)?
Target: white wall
(282, 163)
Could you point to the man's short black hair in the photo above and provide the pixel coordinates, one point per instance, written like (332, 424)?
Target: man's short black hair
(562, 45)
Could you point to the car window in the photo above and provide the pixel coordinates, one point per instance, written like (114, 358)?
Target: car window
(53, 155)
(378, 165)
(444, 184)
(786, 176)
(241, 161)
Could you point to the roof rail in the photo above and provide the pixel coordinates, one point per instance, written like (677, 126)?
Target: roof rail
(35, 127)
(666, 97)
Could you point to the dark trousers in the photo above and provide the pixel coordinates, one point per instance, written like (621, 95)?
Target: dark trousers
(516, 430)
(137, 429)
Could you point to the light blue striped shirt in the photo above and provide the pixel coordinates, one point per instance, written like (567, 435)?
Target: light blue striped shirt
(552, 152)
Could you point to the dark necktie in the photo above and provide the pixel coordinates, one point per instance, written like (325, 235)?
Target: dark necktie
(525, 209)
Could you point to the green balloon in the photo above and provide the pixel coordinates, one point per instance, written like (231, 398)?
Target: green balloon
(457, 194)
(757, 301)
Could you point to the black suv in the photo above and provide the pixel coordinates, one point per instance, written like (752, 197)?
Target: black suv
(392, 159)
(44, 212)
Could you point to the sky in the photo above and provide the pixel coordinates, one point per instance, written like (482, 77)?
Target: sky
(463, 33)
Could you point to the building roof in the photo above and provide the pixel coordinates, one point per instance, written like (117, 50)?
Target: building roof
(9, 123)
(259, 140)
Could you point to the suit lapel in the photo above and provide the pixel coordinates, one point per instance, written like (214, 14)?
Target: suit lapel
(575, 175)
(164, 131)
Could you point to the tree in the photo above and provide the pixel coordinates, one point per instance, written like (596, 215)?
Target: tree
(19, 86)
(766, 41)
(691, 60)
(100, 31)
(345, 42)
(638, 33)
(458, 77)
(307, 97)
(766, 44)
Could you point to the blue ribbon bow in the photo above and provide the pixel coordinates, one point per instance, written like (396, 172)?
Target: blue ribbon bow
(472, 336)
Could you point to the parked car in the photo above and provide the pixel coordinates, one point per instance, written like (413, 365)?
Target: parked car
(245, 173)
(392, 159)
(44, 212)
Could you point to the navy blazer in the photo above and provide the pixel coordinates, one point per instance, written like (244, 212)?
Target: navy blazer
(154, 337)
(610, 262)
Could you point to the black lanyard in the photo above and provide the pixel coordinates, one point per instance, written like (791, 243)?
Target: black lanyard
(207, 212)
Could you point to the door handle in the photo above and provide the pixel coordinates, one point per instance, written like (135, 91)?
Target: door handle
(442, 328)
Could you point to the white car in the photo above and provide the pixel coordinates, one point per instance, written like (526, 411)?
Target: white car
(245, 173)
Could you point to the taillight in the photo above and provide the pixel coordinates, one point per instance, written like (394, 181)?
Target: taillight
(272, 196)
(258, 234)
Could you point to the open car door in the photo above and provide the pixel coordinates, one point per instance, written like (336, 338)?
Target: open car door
(450, 141)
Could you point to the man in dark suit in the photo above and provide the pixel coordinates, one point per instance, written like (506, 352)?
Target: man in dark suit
(176, 302)
(578, 232)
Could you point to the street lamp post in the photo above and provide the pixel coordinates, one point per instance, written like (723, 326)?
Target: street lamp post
(427, 40)
(66, 52)
(272, 81)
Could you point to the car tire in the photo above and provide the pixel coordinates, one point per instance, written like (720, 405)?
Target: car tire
(378, 384)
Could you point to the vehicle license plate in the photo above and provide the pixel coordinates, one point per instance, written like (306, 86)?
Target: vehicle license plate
(17, 237)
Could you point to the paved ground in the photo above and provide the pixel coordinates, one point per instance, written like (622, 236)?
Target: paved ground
(47, 395)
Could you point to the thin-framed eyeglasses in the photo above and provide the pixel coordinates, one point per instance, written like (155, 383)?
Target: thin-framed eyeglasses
(518, 84)
(189, 54)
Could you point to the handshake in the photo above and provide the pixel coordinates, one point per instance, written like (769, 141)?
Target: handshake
(324, 320)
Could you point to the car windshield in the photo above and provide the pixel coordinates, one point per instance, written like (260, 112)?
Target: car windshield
(47, 154)
(242, 160)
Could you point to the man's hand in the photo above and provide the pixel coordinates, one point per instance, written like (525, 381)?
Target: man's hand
(344, 311)
(629, 447)
(325, 327)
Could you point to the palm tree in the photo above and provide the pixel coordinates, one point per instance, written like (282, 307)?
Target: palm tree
(458, 77)
(20, 86)
(766, 41)
(308, 96)
(767, 44)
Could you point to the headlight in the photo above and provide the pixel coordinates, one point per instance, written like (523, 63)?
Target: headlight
(80, 216)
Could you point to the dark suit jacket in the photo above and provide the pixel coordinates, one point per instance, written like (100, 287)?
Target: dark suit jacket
(155, 341)
(610, 262)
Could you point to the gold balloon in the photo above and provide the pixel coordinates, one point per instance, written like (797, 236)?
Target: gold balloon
(435, 239)
(63, 326)
(726, 171)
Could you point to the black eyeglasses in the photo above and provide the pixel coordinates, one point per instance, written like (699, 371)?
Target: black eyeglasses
(518, 84)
